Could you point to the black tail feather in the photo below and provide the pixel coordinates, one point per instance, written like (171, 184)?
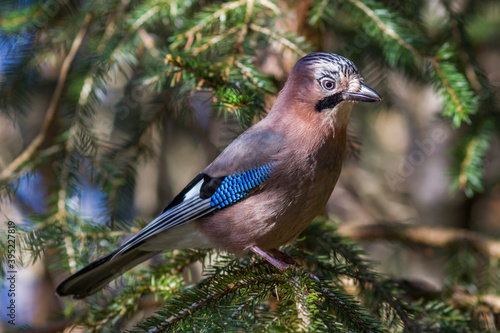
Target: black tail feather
(99, 273)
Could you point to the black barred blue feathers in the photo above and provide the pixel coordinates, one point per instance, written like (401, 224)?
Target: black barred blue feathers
(237, 186)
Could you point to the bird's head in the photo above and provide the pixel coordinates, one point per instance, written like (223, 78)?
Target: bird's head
(325, 85)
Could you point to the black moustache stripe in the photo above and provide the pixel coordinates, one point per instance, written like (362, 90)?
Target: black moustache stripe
(329, 102)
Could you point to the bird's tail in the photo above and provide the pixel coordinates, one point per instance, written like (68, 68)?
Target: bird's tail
(99, 273)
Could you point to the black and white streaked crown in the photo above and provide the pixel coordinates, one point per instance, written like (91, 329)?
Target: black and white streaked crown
(329, 61)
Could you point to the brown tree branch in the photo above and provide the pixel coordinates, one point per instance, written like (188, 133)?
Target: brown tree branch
(423, 235)
(37, 142)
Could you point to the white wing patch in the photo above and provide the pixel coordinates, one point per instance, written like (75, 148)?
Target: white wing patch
(191, 208)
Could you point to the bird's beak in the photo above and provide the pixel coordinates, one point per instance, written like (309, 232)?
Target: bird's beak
(366, 94)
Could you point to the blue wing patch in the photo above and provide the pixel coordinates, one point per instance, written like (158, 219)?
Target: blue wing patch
(203, 195)
(237, 186)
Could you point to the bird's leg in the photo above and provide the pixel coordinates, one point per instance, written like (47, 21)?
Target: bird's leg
(282, 262)
(282, 256)
(289, 260)
(276, 262)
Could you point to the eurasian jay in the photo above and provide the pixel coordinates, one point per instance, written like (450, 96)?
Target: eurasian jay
(264, 188)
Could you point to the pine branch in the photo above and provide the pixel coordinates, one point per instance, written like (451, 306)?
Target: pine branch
(348, 310)
(212, 41)
(320, 10)
(361, 271)
(206, 20)
(149, 43)
(31, 150)
(280, 39)
(402, 47)
(208, 293)
(465, 47)
(388, 28)
(298, 308)
(139, 22)
(459, 99)
(468, 176)
(236, 85)
(385, 21)
(375, 288)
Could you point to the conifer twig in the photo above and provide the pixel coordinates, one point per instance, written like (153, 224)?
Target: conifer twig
(462, 108)
(437, 67)
(384, 27)
(464, 52)
(149, 42)
(273, 35)
(53, 106)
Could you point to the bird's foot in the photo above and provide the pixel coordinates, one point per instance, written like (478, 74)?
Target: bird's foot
(283, 256)
(282, 260)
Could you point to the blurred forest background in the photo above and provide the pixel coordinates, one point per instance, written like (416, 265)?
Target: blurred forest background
(109, 108)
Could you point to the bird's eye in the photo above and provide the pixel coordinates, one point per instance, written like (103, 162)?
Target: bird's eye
(327, 83)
